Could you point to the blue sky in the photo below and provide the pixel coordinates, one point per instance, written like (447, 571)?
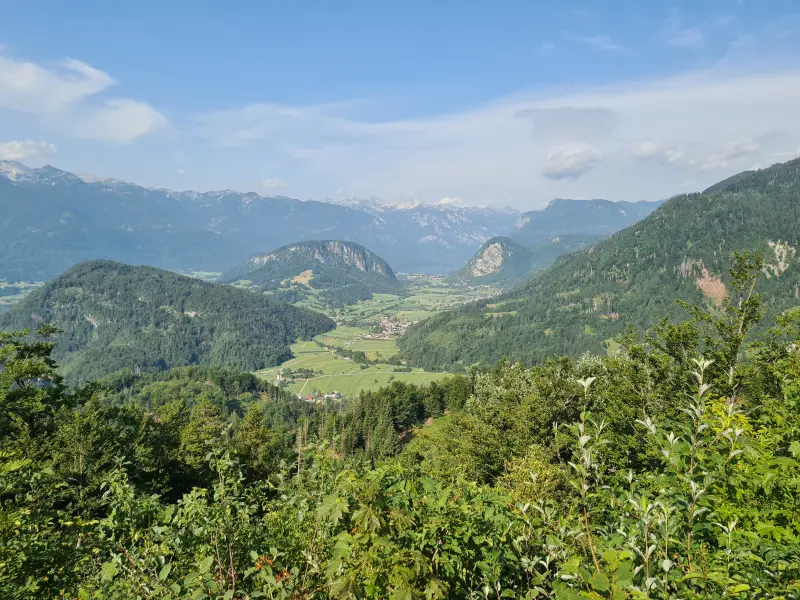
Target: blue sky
(509, 103)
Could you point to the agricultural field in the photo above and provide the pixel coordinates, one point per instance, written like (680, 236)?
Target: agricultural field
(316, 368)
(331, 373)
(423, 297)
(11, 293)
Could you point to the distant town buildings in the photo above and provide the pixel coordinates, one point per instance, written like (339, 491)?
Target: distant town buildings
(390, 329)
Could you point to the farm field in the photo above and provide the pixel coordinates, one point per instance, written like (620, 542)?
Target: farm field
(332, 373)
(11, 293)
(425, 296)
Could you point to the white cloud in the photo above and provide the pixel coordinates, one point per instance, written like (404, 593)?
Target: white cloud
(274, 184)
(654, 151)
(65, 97)
(26, 149)
(30, 88)
(449, 201)
(571, 163)
(116, 120)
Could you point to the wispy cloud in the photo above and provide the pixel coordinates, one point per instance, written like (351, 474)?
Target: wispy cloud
(571, 163)
(730, 153)
(274, 184)
(26, 149)
(663, 153)
(600, 42)
(66, 97)
(679, 34)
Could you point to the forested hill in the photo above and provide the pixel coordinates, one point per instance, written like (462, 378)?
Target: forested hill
(116, 316)
(682, 250)
(500, 259)
(504, 262)
(341, 272)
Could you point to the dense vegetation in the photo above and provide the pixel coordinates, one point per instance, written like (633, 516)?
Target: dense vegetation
(633, 278)
(336, 273)
(114, 316)
(669, 470)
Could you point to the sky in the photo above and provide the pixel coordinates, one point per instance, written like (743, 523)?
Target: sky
(511, 103)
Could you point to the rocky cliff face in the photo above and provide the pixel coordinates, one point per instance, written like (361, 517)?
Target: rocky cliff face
(499, 260)
(489, 260)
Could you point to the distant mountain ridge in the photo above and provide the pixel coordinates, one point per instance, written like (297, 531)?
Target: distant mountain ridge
(115, 316)
(339, 272)
(680, 251)
(579, 217)
(52, 219)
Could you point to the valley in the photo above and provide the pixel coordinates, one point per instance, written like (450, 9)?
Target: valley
(400, 301)
(368, 412)
(372, 327)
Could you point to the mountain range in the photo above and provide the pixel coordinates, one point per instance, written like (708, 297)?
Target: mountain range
(681, 251)
(52, 219)
(599, 218)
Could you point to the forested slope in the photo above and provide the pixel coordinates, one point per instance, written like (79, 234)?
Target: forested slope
(116, 316)
(633, 278)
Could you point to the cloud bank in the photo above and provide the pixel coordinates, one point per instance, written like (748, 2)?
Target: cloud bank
(637, 140)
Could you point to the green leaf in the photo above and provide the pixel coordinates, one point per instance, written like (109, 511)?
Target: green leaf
(108, 571)
(332, 509)
(164, 573)
(737, 589)
(599, 582)
(205, 564)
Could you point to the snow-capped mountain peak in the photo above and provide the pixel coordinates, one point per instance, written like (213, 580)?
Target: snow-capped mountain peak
(406, 204)
(13, 170)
